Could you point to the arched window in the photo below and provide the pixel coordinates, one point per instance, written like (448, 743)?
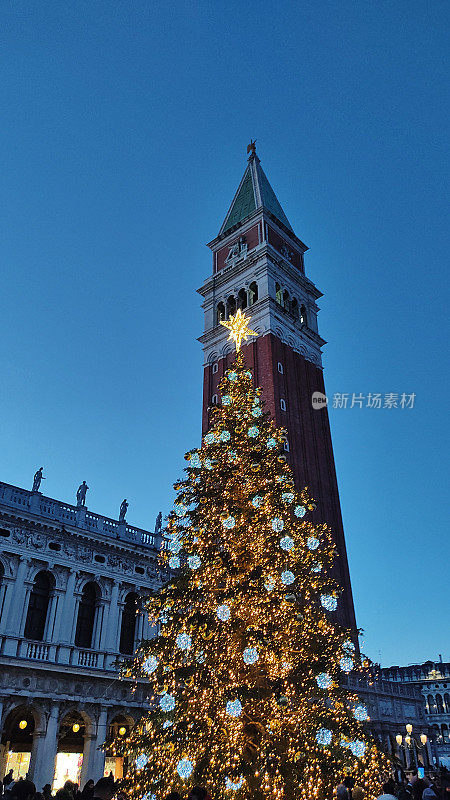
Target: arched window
(128, 626)
(38, 606)
(447, 703)
(294, 308)
(242, 299)
(303, 317)
(439, 704)
(86, 615)
(278, 294)
(431, 704)
(445, 735)
(286, 300)
(231, 306)
(253, 292)
(220, 315)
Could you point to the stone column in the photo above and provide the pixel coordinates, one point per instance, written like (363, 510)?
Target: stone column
(95, 758)
(18, 609)
(45, 746)
(111, 639)
(7, 590)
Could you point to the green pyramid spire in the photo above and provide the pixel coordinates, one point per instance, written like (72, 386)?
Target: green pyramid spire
(254, 191)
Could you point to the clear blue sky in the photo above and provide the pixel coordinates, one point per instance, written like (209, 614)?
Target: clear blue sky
(123, 136)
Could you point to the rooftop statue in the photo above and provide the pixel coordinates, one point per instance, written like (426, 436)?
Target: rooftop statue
(81, 494)
(38, 477)
(123, 510)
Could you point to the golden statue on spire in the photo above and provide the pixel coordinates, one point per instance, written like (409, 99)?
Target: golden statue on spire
(238, 327)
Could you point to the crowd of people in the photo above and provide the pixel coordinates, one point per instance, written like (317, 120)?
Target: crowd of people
(411, 788)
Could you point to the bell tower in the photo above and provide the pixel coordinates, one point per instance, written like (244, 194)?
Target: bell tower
(258, 266)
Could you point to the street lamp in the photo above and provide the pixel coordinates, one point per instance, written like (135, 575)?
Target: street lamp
(410, 744)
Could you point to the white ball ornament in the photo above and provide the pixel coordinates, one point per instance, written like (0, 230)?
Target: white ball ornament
(141, 761)
(287, 577)
(229, 522)
(329, 602)
(346, 664)
(183, 641)
(312, 543)
(234, 708)
(194, 562)
(324, 680)
(223, 612)
(299, 511)
(324, 736)
(184, 768)
(167, 702)
(174, 562)
(150, 664)
(360, 713)
(250, 655)
(286, 543)
(277, 524)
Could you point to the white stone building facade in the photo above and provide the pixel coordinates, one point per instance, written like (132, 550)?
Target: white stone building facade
(72, 584)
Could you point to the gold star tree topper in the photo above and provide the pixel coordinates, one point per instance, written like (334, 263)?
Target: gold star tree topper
(238, 327)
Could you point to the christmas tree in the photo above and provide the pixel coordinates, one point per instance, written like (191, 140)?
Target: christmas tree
(246, 668)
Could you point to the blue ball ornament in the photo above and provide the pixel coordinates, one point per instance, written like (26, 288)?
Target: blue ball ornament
(253, 432)
(299, 511)
(287, 577)
(277, 524)
(174, 562)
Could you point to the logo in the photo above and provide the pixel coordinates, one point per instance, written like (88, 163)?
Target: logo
(319, 400)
